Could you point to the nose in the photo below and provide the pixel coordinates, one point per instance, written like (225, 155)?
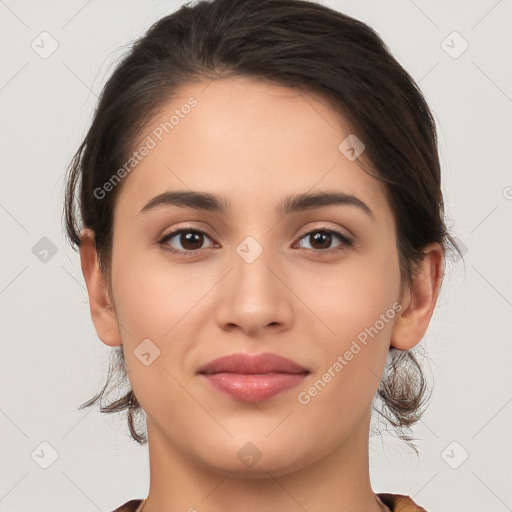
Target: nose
(255, 296)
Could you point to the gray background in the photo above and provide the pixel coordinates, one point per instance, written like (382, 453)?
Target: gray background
(51, 360)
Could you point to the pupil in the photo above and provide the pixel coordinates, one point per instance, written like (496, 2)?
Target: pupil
(192, 240)
(326, 238)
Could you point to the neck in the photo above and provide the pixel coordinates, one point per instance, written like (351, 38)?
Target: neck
(338, 482)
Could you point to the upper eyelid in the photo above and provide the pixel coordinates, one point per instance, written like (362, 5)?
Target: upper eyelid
(174, 232)
(178, 230)
(205, 232)
(326, 227)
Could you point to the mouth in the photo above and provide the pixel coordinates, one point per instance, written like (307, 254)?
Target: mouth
(253, 378)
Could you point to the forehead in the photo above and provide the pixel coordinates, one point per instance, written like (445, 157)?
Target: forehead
(252, 141)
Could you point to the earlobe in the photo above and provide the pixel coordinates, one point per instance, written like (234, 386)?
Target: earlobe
(102, 312)
(419, 302)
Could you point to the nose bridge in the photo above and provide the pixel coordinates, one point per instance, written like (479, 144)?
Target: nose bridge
(252, 278)
(254, 296)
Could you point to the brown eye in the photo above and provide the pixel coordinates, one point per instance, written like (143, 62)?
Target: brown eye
(321, 240)
(184, 240)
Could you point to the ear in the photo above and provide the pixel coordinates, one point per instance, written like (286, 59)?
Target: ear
(102, 312)
(419, 302)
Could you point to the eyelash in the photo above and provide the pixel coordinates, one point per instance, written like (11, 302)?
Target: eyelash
(346, 242)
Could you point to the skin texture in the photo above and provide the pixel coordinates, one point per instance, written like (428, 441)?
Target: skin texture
(255, 143)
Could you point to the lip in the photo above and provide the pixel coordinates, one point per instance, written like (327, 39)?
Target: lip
(253, 378)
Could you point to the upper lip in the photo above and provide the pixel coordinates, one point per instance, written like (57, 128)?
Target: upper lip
(252, 364)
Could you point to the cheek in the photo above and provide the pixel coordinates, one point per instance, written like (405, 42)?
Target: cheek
(356, 298)
(360, 308)
(155, 303)
(150, 297)
(359, 305)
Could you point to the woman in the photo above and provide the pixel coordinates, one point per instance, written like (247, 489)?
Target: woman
(261, 233)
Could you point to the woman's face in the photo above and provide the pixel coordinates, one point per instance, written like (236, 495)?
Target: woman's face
(253, 280)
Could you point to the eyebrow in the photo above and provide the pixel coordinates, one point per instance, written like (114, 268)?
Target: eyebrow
(291, 204)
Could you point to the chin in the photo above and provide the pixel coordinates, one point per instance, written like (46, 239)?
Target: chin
(260, 471)
(255, 460)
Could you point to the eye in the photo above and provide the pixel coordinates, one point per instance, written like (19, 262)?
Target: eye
(321, 239)
(190, 240)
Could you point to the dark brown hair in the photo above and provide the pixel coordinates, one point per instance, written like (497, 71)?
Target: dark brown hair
(297, 44)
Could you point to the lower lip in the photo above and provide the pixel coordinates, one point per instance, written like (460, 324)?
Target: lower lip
(254, 388)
